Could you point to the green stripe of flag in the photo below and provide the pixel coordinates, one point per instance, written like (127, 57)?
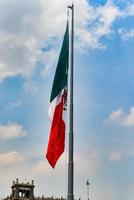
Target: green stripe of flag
(60, 79)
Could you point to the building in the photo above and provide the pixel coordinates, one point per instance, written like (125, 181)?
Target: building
(22, 191)
(25, 191)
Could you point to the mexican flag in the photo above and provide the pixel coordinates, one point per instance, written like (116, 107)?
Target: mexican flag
(58, 103)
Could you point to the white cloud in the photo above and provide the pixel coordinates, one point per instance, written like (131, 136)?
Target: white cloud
(128, 11)
(11, 158)
(98, 24)
(130, 118)
(24, 26)
(115, 156)
(27, 25)
(30, 86)
(40, 168)
(12, 165)
(89, 162)
(11, 131)
(48, 59)
(121, 118)
(116, 116)
(126, 35)
(86, 165)
(14, 104)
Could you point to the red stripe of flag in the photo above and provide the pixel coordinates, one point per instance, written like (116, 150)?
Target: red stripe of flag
(57, 135)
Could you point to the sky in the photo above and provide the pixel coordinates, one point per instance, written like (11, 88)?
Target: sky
(31, 35)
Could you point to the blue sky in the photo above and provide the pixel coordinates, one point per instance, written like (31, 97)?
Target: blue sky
(31, 35)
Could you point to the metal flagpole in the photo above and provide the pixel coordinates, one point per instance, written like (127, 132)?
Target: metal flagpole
(70, 195)
(87, 183)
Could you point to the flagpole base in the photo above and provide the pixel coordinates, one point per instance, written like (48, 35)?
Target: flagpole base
(70, 197)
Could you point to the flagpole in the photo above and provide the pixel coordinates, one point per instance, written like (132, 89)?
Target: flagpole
(70, 195)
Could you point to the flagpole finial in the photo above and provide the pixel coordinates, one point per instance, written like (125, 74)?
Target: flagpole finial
(71, 7)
